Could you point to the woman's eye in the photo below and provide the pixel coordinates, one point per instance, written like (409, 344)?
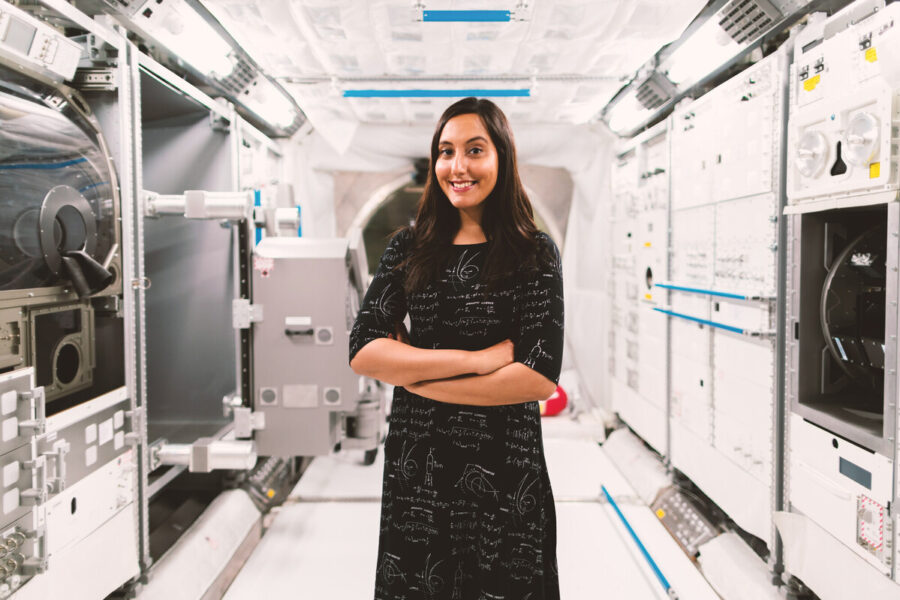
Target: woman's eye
(446, 152)
(476, 150)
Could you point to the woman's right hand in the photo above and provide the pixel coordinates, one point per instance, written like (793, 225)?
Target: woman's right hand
(495, 357)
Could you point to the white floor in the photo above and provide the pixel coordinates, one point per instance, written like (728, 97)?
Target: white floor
(323, 542)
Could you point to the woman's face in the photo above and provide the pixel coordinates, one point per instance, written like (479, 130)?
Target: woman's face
(466, 166)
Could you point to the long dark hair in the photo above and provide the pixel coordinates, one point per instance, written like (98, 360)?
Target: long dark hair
(507, 219)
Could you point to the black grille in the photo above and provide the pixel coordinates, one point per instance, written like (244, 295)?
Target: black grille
(746, 20)
(651, 94)
(242, 75)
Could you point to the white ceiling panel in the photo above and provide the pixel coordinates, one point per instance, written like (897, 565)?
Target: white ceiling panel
(574, 55)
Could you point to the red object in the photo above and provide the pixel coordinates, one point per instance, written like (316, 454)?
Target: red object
(555, 403)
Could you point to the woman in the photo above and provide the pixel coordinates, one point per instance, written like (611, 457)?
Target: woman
(467, 511)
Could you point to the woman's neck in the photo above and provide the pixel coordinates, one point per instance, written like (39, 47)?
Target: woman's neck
(470, 231)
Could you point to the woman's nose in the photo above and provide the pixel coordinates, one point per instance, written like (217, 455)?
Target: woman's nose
(459, 164)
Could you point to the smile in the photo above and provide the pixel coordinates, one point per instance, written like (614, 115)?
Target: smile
(462, 186)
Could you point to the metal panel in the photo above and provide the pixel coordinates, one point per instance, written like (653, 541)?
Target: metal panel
(302, 382)
(190, 342)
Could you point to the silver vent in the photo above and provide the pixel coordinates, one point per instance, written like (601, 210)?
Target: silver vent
(243, 75)
(654, 92)
(746, 20)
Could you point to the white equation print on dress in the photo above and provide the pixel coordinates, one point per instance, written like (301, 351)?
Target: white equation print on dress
(465, 270)
(475, 480)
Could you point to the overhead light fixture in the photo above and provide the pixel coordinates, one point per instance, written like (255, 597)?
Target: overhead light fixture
(269, 103)
(466, 16)
(638, 103)
(700, 54)
(720, 38)
(187, 35)
(503, 93)
(627, 114)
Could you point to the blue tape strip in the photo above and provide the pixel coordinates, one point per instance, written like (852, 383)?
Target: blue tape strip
(299, 223)
(701, 291)
(466, 16)
(257, 201)
(478, 93)
(704, 321)
(44, 166)
(659, 575)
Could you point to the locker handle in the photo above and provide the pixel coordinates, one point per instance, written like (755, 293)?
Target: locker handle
(681, 288)
(758, 334)
(824, 480)
(293, 332)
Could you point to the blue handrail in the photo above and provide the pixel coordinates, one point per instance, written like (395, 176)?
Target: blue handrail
(681, 288)
(703, 321)
(659, 575)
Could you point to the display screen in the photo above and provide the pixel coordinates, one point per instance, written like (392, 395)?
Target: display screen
(856, 473)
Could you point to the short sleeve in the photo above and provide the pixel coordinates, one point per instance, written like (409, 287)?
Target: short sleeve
(385, 302)
(541, 317)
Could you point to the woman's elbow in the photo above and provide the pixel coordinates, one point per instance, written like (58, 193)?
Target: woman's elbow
(545, 389)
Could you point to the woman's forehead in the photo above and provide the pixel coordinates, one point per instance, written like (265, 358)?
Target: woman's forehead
(462, 128)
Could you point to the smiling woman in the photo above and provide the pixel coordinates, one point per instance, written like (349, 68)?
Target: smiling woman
(467, 510)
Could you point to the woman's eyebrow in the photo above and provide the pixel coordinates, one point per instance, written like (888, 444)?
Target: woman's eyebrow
(474, 139)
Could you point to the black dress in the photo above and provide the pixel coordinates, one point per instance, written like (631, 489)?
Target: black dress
(467, 511)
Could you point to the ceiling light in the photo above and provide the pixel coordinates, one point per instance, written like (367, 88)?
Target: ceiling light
(271, 104)
(466, 16)
(706, 49)
(183, 31)
(436, 93)
(627, 113)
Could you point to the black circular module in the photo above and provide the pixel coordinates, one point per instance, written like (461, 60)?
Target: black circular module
(852, 308)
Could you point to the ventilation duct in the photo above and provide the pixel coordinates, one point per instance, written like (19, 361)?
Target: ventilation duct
(746, 20)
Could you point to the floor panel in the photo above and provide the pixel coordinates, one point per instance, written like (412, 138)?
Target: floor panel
(323, 542)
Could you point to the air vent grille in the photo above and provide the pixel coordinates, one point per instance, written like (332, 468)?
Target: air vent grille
(243, 74)
(746, 20)
(653, 93)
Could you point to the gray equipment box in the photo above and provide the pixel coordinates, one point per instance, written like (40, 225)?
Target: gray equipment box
(306, 293)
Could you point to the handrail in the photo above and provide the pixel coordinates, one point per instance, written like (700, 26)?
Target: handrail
(757, 334)
(670, 591)
(681, 288)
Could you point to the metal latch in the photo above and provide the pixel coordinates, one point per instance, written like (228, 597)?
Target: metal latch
(57, 483)
(243, 313)
(246, 421)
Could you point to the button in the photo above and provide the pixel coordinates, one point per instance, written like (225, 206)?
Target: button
(11, 473)
(90, 456)
(10, 429)
(90, 433)
(8, 402)
(10, 501)
(106, 431)
(118, 419)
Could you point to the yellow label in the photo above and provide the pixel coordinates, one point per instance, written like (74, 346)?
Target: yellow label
(647, 244)
(875, 170)
(648, 296)
(871, 55)
(270, 493)
(660, 513)
(811, 83)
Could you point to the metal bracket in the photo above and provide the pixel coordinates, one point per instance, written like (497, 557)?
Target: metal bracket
(100, 79)
(243, 313)
(246, 421)
(37, 424)
(219, 123)
(153, 456)
(57, 483)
